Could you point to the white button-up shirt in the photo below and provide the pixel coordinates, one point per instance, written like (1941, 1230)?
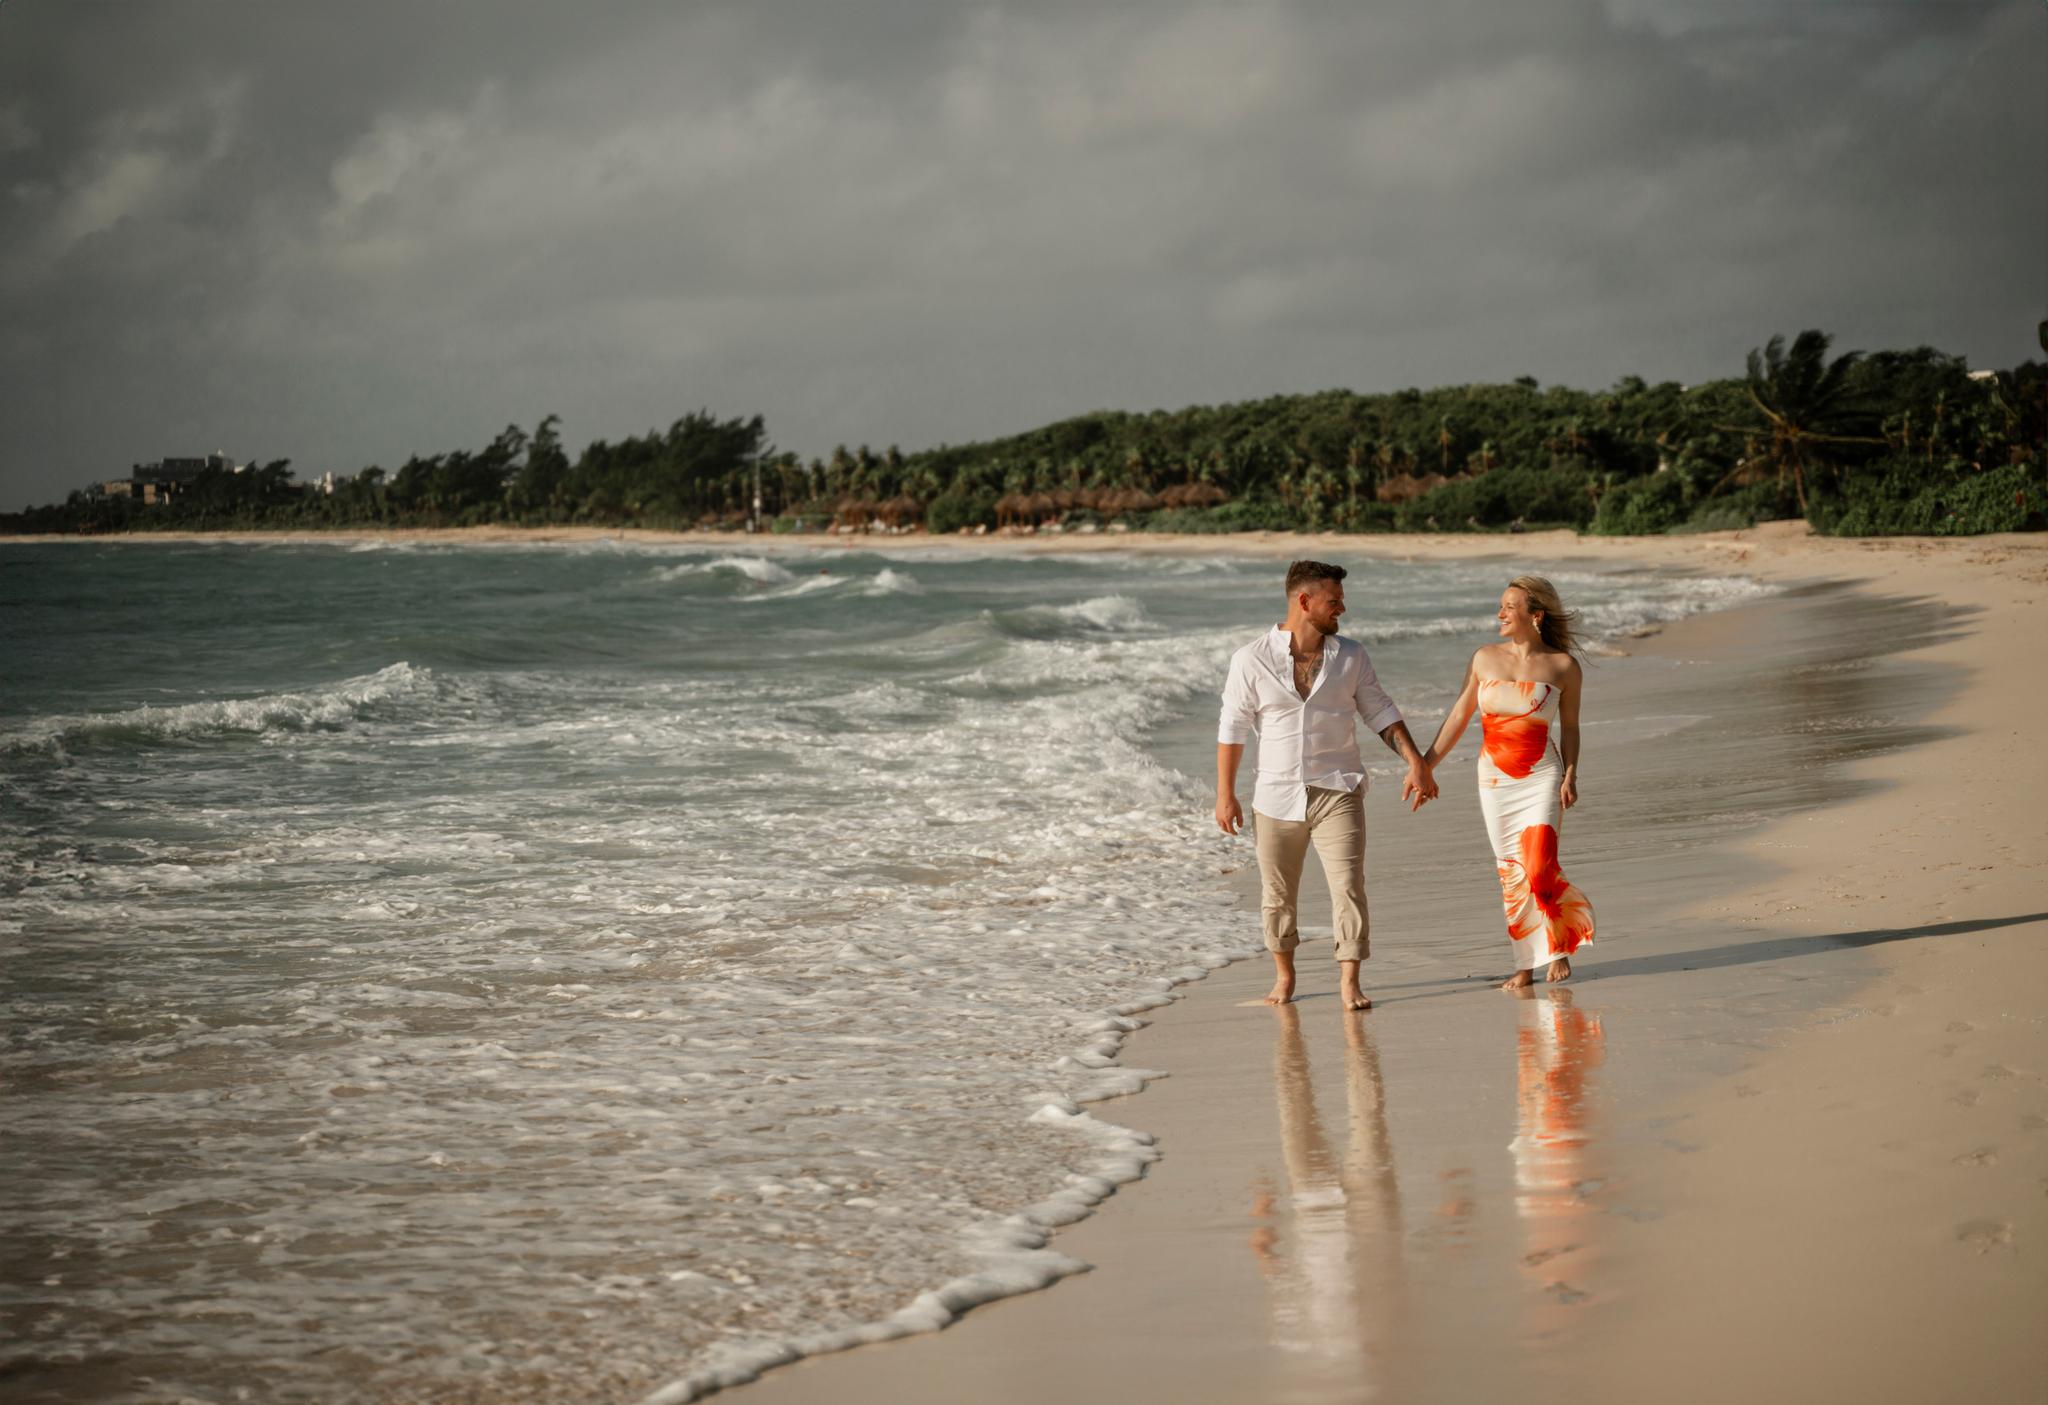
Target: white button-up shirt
(1302, 742)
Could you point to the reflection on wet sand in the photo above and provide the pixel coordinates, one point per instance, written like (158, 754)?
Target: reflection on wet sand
(1556, 1047)
(1330, 1247)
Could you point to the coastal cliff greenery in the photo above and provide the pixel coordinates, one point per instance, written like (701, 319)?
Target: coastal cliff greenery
(1858, 444)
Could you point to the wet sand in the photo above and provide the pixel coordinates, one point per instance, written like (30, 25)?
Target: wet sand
(1786, 1134)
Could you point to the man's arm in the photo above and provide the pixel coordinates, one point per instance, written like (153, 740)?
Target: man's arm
(1380, 714)
(1419, 786)
(1229, 814)
(1401, 744)
(1236, 724)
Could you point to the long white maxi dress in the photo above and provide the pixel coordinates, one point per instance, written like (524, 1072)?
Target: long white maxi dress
(1519, 772)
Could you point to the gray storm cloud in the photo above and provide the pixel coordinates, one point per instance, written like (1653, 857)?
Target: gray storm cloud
(346, 236)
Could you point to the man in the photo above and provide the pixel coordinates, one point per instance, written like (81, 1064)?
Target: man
(1298, 687)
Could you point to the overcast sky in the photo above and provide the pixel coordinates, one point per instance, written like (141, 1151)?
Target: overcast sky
(349, 232)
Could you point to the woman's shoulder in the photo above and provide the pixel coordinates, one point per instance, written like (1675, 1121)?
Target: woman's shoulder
(1492, 661)
(1560, 669)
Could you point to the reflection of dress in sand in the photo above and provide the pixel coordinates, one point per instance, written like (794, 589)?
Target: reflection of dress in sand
(1519, 772)
(1555, 1048)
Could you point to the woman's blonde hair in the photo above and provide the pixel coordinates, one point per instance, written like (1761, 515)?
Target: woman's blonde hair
(1556, 623)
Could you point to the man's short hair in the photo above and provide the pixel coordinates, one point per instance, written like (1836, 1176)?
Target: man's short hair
(1310, 573)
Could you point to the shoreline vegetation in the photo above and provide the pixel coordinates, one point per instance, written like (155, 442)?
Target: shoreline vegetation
(1857, 444)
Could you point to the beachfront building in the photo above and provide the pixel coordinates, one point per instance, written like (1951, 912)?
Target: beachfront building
(160, 481)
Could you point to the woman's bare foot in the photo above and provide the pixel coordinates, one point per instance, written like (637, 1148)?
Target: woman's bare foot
(1560, 970)
(1520, 980)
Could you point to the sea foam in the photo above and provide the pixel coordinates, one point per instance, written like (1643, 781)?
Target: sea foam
(332, 706)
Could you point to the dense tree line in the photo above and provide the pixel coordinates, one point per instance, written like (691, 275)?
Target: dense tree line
(1897, 441)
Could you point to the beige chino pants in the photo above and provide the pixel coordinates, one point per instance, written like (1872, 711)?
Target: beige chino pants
(1335, 824)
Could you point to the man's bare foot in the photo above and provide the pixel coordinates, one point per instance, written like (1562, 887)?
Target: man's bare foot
(1520, 980)
(1348, 994)
(1283, 979)
(1560, 970)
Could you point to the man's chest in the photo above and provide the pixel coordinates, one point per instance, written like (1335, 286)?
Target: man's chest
(1305, 671)
(1290, 682)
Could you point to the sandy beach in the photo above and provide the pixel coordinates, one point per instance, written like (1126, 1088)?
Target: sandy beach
(1847, 1196)
(1785, 1135)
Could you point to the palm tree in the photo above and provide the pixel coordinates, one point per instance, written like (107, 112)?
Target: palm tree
(1807, 407)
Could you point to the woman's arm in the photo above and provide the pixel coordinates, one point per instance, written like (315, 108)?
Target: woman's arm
(1459, 717)
(1568, 732)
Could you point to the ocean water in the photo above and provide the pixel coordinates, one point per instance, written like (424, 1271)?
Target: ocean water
(464, 973)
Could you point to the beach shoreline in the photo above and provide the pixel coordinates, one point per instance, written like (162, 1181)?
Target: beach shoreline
(1858, 1201)
(1778, 551)
(1886, 1090)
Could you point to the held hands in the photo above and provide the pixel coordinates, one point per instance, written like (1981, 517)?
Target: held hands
(1229, 814)
(1418, 787)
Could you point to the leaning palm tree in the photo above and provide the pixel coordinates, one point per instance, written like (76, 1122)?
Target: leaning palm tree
(1808, 409)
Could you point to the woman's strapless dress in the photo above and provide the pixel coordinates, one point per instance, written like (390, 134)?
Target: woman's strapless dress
(1519, 772)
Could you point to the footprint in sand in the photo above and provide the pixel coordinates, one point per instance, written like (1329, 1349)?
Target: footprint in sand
(2034, 1122)
(1942, 1051)
(1959, 1027)
(1985, 1235)
(1982, 1156)
(1998, 1073)
(1969, 1097)
(1565, 1293)
(1544, 1256)
(1743, 1090)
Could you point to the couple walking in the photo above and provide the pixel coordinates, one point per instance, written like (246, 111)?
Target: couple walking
(1298, 686)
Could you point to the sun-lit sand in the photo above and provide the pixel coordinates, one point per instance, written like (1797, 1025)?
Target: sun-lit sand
(1784, 1137)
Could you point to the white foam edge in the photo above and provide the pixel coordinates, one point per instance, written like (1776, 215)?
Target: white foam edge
(1014, 1251)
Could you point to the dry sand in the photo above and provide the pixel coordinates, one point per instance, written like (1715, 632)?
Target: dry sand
(1795, 1145)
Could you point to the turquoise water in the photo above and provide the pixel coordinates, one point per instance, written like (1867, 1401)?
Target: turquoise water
(549, 972)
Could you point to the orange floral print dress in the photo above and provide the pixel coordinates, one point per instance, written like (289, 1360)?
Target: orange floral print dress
(1519, 772)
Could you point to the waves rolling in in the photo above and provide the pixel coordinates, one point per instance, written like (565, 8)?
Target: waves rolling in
(726, 955)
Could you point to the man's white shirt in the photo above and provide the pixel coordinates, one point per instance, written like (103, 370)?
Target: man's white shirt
(1302, 742)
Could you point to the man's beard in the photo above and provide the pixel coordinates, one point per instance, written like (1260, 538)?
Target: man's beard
(1327, 627)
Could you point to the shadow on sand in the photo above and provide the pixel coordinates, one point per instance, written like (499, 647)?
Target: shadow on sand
(1710, 958)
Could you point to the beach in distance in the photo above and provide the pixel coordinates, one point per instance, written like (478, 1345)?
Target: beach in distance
(594, 964)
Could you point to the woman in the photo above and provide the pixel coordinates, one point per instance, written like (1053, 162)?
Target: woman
(1526, 692)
